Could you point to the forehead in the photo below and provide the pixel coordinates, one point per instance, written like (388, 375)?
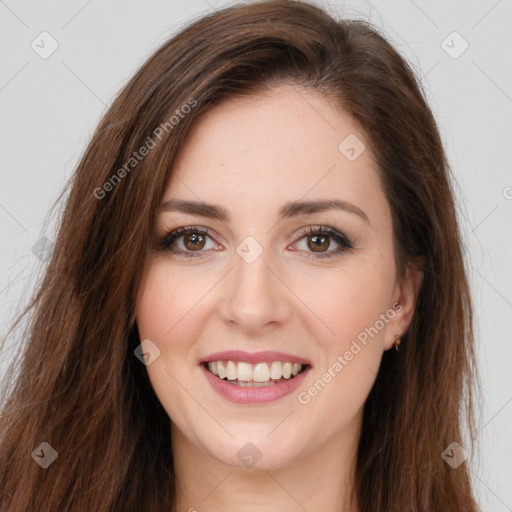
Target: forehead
(274, 147)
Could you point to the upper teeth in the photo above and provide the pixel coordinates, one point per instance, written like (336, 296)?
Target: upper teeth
(261, 372)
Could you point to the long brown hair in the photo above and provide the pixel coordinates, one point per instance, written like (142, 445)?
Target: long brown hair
(79, 386)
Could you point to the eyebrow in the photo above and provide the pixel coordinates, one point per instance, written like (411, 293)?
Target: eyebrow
(289, 210)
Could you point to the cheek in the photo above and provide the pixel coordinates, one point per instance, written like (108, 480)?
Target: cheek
(351, 357)
(166, 302)
(348, 301)
(165, 307)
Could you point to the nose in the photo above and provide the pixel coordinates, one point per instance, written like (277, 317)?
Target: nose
(255, 299)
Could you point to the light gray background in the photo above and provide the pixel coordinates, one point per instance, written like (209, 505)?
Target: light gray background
(49, 107)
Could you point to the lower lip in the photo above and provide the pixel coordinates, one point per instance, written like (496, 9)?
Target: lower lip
(256, 395)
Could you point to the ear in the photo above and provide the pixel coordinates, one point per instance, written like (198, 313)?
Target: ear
(405, 297)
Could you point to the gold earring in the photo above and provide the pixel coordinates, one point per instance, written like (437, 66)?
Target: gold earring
(397, 341)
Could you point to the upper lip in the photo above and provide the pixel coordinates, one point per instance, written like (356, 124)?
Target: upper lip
(254, 357)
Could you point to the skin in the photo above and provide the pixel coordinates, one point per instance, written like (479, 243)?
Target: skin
(252, 155)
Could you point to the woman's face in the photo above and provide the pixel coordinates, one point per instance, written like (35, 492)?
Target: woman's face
(255, 282)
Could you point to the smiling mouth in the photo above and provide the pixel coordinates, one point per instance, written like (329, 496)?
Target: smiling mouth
(255, 375)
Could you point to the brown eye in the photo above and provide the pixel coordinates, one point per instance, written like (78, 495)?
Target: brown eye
(187, 241)
(318, 243)
(318, 239)
(194, 241)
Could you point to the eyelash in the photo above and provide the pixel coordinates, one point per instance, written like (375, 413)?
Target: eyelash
(341, 239)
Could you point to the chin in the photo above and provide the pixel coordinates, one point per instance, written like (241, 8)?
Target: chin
(255, 449)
